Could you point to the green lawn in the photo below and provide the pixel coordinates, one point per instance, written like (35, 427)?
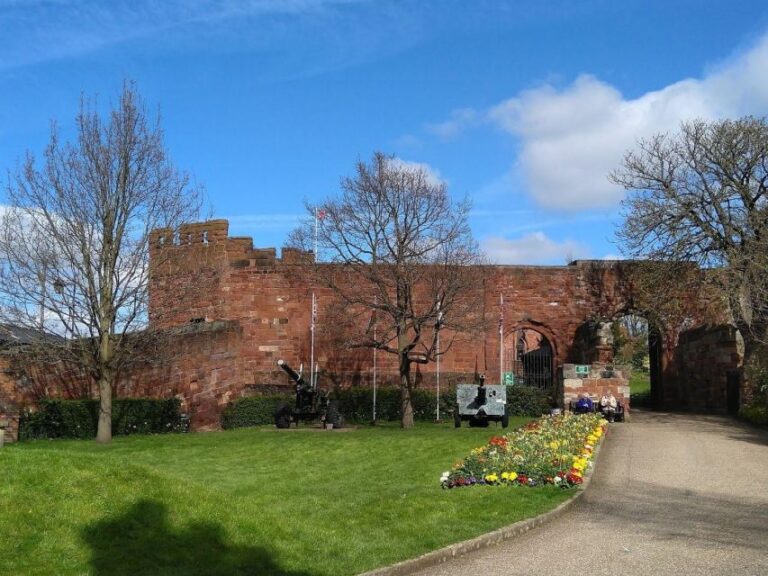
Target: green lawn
(640, 382)
(250, 501)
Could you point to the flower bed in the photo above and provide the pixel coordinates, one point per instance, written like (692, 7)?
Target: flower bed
(551, 450)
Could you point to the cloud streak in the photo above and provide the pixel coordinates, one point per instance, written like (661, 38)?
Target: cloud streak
(37, 31)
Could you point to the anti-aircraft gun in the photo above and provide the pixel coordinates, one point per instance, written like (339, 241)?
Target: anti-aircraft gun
(311, 404)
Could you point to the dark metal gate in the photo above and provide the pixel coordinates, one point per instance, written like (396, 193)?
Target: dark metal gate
(529, 360)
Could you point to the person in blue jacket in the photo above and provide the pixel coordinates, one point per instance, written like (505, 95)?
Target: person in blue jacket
(583, 405)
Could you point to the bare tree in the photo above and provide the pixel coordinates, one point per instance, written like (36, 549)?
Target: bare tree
(401, 263)
(698, 197)
(74, 240)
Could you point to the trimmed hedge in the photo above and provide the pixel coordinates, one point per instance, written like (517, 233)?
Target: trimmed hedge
(528, 401)
(356, 405)
(79, 418)
(253, 410)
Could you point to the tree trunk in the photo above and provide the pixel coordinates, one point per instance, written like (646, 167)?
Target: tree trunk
(406, 404)
(104, 430)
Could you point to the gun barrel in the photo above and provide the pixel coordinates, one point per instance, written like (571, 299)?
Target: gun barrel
(290, 371)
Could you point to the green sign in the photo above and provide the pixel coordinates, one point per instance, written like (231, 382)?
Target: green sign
(509, 378)
(582, 370)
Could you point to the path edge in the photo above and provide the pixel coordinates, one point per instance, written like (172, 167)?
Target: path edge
(489, 539)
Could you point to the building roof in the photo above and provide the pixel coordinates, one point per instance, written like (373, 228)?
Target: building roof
(11, 334)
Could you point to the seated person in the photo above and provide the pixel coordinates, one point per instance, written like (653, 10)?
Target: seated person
(583, 405)
(608, 406)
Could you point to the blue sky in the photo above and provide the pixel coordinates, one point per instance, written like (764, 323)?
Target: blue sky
(522, 106)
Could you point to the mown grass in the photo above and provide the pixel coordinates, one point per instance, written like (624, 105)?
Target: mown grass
(639, 382)
(250, 501)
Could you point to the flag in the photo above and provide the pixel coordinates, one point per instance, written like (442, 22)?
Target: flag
(320, 214)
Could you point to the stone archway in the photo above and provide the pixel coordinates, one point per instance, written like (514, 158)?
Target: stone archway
(530, 356)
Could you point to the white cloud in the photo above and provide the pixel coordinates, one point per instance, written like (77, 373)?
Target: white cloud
(432, 174)
(572, 138)
(533, 248)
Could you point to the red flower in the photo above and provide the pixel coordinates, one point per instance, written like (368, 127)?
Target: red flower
(499, 441)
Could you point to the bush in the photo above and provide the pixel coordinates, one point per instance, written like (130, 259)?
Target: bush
(356, 404)
(755, 414)
(528, 401)
(253, 410)
(79, 418)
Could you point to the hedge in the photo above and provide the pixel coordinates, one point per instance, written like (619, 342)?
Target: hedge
(528, 401)
(356, 405)
(253, 410)
(79, 418)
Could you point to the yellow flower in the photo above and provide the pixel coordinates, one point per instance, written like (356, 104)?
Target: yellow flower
(510, 476)
(579, 463)
(554, 444)
(491, 478)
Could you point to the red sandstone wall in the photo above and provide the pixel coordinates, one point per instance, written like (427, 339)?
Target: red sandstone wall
(9, 400)
(256, 309)
(703, 359)
(202, 369)
(270, 299)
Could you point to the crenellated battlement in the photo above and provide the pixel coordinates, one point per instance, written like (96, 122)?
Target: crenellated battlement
(213, 235)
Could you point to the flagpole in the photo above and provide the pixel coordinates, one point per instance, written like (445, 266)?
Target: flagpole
(375, 301)
(315, 233)
(437, 357)
(501, 339)
(374, 376)
(312, 343)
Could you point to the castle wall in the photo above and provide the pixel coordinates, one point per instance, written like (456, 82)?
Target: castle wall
(705, 358)
(233, 310)
(10, 401)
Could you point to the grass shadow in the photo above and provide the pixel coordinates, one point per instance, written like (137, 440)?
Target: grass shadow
(141, 541)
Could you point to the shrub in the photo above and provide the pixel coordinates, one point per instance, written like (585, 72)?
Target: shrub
(755, 414)
(528, 401)
(253, 410)
(79, 418)
(356, 404)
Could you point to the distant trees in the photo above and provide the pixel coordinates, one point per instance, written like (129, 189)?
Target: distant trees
(73, 240)
(698, 196)
(400, 260)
